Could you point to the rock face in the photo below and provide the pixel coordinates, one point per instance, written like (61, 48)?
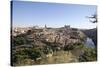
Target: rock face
(89, 43)
(91, 33)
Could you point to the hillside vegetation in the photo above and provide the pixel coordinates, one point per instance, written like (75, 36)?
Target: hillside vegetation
(51, 45)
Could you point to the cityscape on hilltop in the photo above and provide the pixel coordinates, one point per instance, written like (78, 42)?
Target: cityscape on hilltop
(52, 33)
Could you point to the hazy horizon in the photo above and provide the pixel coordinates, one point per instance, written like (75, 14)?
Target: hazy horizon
(26, 14)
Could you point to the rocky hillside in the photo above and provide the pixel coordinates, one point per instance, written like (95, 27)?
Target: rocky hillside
(55, 36)
(50, 45)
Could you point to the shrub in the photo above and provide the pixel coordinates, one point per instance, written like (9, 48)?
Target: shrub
(78, 45)
(90, 54)
(19, 41)
(68, 47)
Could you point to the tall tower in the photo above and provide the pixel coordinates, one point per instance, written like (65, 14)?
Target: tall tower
(45, 26)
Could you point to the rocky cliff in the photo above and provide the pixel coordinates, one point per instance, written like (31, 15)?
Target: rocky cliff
(91, 33)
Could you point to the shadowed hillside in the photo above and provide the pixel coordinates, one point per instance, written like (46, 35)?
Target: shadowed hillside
(92, 33)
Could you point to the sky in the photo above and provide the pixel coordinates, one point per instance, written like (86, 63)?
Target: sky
(52, 14)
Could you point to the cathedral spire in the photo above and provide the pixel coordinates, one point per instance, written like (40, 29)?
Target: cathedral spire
(45, 26)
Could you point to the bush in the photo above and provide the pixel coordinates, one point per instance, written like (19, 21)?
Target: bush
(36, 53)
(78, 45)
(90, 54)
(73, 46)
(19, 56)
(47, 50)
(68, 47)
(19, 41)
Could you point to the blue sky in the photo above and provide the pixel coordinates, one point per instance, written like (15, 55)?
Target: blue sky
(52, 14)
